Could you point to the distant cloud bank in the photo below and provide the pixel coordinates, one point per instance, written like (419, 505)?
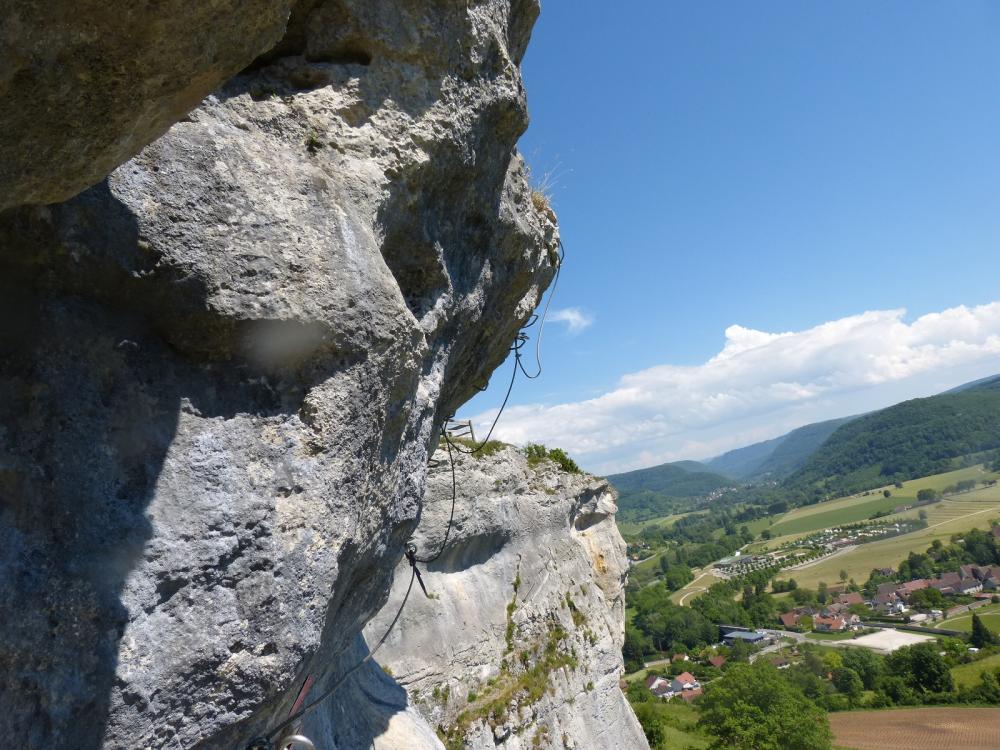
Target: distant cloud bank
(761, 385)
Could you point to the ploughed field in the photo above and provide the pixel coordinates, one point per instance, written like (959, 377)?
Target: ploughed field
(909, 728)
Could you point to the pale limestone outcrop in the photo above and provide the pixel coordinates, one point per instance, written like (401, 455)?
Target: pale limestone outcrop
(519, 644)
(224, 366)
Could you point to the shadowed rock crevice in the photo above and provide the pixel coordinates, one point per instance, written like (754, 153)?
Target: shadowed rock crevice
(86, 426)
(469, 550)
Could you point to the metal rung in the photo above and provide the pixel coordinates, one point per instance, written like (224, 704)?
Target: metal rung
(461, 429)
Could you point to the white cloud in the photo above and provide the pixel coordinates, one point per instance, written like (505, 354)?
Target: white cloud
(761, 385)
(574, 317)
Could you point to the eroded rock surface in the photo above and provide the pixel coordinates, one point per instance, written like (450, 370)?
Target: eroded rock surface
(519, 645)
(85, 84)
(223, 367)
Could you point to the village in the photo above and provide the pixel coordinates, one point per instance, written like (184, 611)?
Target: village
(882, 616)
(814, 547)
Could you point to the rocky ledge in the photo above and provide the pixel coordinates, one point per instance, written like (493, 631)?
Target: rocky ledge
(518, 644)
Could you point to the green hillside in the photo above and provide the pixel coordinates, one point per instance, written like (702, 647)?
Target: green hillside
(660, 490)
(912, 439)
(693, 466)
(743, 463)
(798, 445)
(779, 457)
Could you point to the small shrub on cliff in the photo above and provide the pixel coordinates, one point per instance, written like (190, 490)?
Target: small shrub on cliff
(535, 453)
(565, 462)
(538, 453)
(489, 448)
(541, 193)
(541, 202)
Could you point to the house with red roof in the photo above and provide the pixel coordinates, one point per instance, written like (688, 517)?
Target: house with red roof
(946, 583)
(660, 687)
(684, 681)
(685, 684)
(829, 624)
(789, 619)
(905, 589)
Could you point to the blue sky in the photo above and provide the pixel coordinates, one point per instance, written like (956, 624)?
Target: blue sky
(774, 166)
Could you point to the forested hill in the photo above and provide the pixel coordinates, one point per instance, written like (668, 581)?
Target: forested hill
(795, 450)
(912, 439)
(779, 457)
(987, 383)
(826, 459)
(744, 463)
(658, 490)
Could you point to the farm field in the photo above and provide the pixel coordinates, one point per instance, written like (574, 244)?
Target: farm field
(951, 516)
(861, 507)
(858, 509)
(968, 674)
(758, 525)
(990, 615)
(905, 729)
(631, 528)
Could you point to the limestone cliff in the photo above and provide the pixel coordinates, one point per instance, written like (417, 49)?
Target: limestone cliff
(222, 368)
(519, 643)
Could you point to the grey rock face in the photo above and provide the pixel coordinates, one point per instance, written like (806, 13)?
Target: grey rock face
(526, 611)
(87, 83)
(223, 367)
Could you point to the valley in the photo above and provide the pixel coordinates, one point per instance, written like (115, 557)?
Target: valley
(902, 562)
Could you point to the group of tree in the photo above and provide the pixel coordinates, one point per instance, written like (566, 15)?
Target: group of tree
(675, 575)
(658, 626)
(981, 636)
(753, 707)
(757, 706)
(780, 587)
(695, 541)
